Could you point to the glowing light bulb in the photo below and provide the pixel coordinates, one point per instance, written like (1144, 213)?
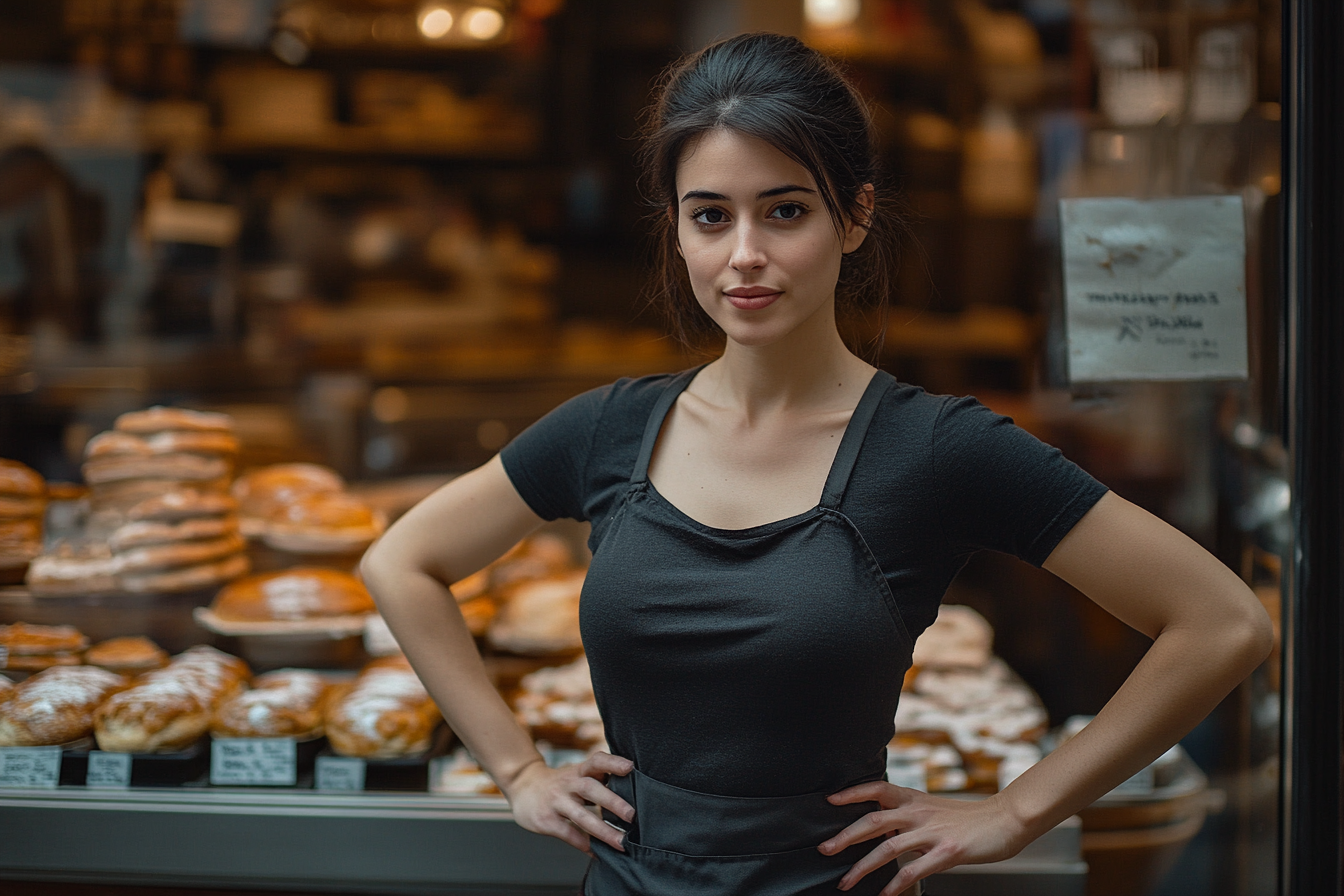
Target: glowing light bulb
(435, 22)
(483, 23)
(830, 13)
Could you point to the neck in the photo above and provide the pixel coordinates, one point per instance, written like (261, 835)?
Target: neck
(810, 368)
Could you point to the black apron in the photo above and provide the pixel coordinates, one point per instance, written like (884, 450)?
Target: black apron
(694, 843)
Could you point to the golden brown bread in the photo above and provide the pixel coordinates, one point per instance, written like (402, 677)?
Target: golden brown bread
(144, 533)
(182, 504)
(324, 522)
(124, 444)
(55, 706)
(20, 480)
(162, 419)
(69, 571)
(169, 708)
(186, 578)
(162, 557)
(302, 593)
(177, 467)
(22, 506)
(287, 703)
(24, 639)
(382, 714)
(128, 655)
(263, 491)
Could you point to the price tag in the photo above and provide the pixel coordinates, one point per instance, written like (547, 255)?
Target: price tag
(30, 766)
(340, 773)
(108, 769)
(271, 761)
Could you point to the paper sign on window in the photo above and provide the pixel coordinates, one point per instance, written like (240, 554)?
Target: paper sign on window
(1155, 289)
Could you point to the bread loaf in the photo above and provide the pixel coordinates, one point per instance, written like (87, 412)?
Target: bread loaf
(56, 706)
(384, 713)
(287, 703)
(303, 593)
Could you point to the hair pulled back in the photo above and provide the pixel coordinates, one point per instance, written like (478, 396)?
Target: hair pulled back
(777, 89)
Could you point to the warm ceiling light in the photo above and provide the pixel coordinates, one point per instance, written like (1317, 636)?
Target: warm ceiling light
(483, 23)
(435, 22)
(830, 13)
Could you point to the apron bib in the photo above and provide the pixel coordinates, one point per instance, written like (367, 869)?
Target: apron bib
(700, 605)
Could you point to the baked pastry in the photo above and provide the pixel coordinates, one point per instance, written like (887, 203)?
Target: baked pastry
(182, 504)
(162, 557)
(149, 532)
(12, 506)
(163, 419)
(384, 713)
(175, 467)
(959, 637)
(73, 569)
(55, 706)
(36, 662)
(303, 593)
(124, 444)
(287, 703)
(264, 491)
(169, 708)
(538, 557)
(20, 481)
(540, 617)
(323, 523)
(128, 656)
(556, 704)
(22, 639)
(186, 578)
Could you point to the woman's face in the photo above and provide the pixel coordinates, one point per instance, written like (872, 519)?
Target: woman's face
(761, 250)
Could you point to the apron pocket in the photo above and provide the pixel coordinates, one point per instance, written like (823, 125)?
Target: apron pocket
(645, 871)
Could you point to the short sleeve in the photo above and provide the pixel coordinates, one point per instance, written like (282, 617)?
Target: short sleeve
(1002, 488)
(548, 461)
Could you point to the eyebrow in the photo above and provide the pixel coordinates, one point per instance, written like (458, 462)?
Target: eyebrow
(764, 194)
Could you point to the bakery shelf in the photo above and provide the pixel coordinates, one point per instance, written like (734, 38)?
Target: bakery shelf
(361, 843)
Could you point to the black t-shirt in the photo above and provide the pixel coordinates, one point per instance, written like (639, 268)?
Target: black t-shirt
(937, 478)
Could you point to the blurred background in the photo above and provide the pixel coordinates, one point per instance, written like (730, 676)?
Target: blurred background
(386, 236)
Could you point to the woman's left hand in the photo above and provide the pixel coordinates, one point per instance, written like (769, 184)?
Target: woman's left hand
(941, 832)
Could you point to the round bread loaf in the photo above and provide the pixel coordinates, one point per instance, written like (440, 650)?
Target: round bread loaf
(163, 419)
(151, 558)
(186, 578)
(20, 481)
(12, 507)
(287, 703)
(303, 593)
(114, 443)
(132, 654)
(22, 638)
(55, 706)
(178, 466)
(384, 713)
(260, 491)
(323, 523)
(182, 504)
(148, 532)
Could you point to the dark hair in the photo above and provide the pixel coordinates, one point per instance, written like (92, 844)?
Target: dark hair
(779, 90)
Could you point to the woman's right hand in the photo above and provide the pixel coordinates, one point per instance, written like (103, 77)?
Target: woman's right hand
(555, 801)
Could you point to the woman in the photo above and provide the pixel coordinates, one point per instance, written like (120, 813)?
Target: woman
(770, 532)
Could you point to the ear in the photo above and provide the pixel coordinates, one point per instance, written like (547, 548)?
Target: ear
(856, 229)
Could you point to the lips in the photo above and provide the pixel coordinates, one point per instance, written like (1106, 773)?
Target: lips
(751, 298)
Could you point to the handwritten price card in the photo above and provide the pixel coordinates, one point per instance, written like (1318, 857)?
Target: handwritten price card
(1155, 289)
(108, 769)
(269, 761)
(340, 773)
(33, 767)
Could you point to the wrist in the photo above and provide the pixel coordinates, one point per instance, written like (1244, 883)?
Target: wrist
(508, 781)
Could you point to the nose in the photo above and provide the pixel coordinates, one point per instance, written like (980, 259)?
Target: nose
(748, 253)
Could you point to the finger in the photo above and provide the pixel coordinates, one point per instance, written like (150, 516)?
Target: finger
(562, 828)
(595, 793)
(874, 824)
(884, 853)
(590, 823)
(911, 873)
(888, 795)
(605, 764)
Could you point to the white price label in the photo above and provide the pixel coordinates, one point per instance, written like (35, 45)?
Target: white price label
(108, 769)
(340, 773)
(269, 761)
(30, 766)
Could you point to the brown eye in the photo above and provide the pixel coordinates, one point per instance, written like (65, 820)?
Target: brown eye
(708, 216)
(789, 211)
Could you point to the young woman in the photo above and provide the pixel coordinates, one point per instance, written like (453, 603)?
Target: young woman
(772, 530)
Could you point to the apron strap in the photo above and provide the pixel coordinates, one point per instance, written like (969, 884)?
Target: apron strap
(656, 418)
(852, 440)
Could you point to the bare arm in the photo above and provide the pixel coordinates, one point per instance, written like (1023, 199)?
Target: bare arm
(1209, 633)
(454, 532)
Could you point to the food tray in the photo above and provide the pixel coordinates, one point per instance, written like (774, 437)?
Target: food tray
(405, 772)
(147, 769)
